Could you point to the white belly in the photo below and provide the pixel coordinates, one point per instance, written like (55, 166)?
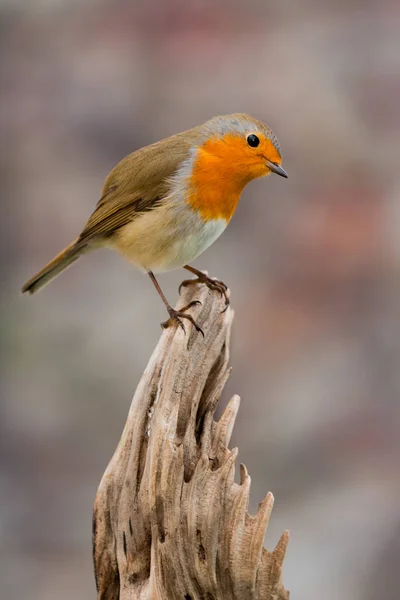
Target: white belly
(166, 238)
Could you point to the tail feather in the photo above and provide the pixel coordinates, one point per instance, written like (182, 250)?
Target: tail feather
(60, 262)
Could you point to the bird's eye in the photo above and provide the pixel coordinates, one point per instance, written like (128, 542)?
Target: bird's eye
(253, 140)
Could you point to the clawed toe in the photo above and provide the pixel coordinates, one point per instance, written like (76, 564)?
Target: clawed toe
(227, 303)
(219, 286)
(176, 316)
(212, 284)
(192, 303)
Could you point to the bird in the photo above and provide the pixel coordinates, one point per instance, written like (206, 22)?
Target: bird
(164, 204)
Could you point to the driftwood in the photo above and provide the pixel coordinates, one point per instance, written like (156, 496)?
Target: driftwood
(169, 521)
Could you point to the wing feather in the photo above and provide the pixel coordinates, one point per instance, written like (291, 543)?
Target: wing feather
(139, 183)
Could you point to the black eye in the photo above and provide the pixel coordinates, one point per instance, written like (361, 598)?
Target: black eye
(253, 140)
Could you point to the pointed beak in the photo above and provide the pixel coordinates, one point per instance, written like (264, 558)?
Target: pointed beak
(275, 168)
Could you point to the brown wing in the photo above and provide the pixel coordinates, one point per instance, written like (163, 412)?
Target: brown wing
(137, 184)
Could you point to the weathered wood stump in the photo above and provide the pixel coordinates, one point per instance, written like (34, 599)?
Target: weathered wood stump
(169, 521)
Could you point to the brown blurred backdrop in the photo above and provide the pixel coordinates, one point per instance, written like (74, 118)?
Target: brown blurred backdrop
(312, 262)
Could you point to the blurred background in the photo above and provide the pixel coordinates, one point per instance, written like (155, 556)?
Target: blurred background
(313, 264)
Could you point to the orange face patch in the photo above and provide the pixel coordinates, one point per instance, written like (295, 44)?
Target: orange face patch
(221, 169)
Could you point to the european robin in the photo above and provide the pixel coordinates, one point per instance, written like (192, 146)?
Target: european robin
(164, 204)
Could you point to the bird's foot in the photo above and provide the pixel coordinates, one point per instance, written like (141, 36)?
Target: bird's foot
(176, 316)
(212, 284)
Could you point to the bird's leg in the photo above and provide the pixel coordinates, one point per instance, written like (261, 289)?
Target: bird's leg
(176, 315)
(212, 284)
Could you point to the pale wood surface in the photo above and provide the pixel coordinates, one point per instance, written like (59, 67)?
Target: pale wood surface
(169, 520)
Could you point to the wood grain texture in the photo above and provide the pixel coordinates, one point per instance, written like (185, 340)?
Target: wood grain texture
(170, 522)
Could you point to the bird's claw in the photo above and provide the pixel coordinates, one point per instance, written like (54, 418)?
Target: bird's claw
(176, 316)
(212, 284)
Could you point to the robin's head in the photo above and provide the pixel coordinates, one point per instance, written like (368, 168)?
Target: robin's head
(243, 146)
(228, 153)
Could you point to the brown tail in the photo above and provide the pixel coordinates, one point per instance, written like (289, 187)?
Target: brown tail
(60, 262)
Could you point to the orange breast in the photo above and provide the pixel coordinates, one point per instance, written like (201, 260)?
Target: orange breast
(221, 169)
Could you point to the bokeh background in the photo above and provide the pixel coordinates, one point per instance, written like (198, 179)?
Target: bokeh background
(313, 264)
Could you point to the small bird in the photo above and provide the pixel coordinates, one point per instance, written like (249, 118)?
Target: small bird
(164, 204)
